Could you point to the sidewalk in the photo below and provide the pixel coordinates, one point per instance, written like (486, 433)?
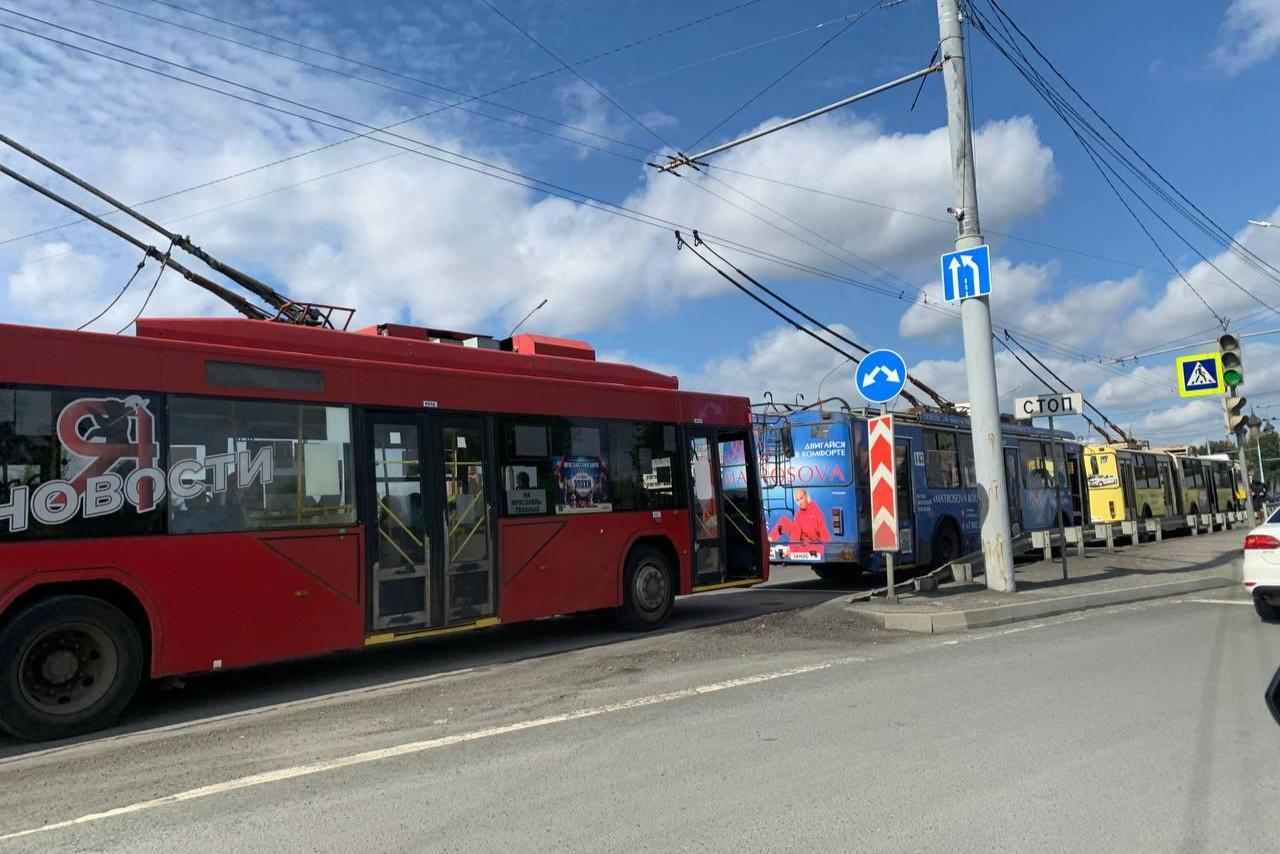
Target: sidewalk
(1134, 573)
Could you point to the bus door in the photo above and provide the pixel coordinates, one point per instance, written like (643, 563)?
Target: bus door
(461, 476)
(1075, 485)
(725, 537)
(430, 552)
(906, 504)
(1013, 488)
(1166, 482)
(704, 497)
(1125, 466)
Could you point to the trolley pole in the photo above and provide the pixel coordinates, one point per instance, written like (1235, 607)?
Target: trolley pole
(975, 318)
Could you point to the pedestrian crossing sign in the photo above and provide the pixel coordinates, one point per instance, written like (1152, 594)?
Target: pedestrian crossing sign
(1200, 374)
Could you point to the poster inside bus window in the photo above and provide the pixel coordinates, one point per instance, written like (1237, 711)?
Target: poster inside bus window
(524, 496)
(581, 484)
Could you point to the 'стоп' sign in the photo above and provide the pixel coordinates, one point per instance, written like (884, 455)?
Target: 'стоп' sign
(1048, 405)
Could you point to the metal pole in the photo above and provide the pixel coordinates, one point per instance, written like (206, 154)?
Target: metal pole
(1244, 468)
(892, 595)
(1240, 454)
(676, 161)
(1057, 492)
(975, 318)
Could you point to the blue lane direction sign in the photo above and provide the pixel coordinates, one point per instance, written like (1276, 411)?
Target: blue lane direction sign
(1200, 374)
(880, 376)
(966, 273)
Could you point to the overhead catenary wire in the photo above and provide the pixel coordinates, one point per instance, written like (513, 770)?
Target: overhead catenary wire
(236, 301)
(447, 105)
(353, 135)
(697, 239)
(1103, 167)
(481, 167)
(785, 74)
(1080, 126)
(681, 243)
(260, 289)
(1067, 386)
(1204, 217)
(1106, 437)
(576, 73)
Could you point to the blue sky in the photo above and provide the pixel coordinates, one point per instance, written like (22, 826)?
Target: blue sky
(404, 237)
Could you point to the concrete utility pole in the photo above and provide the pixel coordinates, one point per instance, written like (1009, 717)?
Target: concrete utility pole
(975, 318)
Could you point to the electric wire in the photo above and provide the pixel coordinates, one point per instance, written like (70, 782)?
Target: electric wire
(576, 73)
(448, 105)
(353, 135)
(517, 178)
(1204, 217)
(164, 262)
(697, 239)
(136, 270)
(1104, 167)
(784, 75)
(681, 243)
(1047, 384)
(1079, 126)
(1051, 372)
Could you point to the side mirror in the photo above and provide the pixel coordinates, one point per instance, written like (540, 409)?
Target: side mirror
(1273, 696)
(788, 444)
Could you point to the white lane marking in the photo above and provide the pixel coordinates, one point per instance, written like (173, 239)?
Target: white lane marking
(1220, 601)
(287, 705)
(414, 747)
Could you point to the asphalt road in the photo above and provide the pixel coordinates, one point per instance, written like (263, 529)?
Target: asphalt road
(1139, 728)
(242, 691)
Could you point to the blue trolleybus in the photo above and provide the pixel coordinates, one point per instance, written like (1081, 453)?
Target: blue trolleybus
(813, 472)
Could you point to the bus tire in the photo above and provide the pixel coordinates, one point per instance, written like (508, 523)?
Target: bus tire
(648, 590)
(68, 665)
(946, 544)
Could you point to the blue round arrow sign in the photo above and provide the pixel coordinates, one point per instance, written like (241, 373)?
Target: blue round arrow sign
(881, 375)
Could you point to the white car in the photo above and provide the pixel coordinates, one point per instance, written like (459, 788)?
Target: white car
(1262, 567)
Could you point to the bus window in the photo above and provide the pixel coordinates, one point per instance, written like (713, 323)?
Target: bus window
(942, 460)
(1034, 465)
(80, 463)
(966, 462)
(292, 465)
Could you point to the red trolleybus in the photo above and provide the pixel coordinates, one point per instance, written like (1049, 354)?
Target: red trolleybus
(219, 493)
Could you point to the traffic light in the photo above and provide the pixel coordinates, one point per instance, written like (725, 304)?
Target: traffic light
(1237, 420)
(1232, 363)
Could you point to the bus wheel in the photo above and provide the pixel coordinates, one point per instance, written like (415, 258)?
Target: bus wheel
(68, 665)
(648, 590)
(946, 544)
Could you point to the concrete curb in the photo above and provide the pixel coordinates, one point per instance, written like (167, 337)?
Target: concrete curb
(1016, 612)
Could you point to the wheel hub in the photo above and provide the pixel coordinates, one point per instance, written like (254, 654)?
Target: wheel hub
(68, 668)
(651, 587)
(59, 666)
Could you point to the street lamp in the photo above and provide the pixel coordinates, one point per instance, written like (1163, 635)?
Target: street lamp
(1263, 223)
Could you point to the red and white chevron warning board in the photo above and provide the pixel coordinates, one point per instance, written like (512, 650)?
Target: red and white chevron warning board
(884, 489)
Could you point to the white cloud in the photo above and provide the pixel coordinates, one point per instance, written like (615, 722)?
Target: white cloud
(421, 240)
(61, 287)
(1250, 34)
(784, 362)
